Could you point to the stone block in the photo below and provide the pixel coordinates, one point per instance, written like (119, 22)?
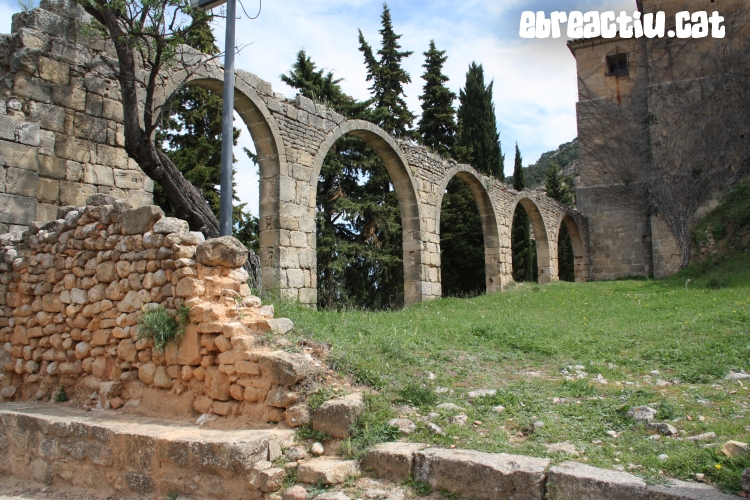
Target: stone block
(226, 251)
(112, 110)
(71, 148)
(576, 480)
(140, 220)
(18, 156)
(683, 490)
(28, 133)
(99, 175)
(52, 167)
(75, 193)
(337, 416)
(32, 88)
(48, 190)
(484, 476)
(54, 71)
(21, 182)
(46, 211)
(48, 116)
(217, 384)
(114, 157)
(90, 128)
(33, 39)
(326, 471)
(69, 97)
(392, 461)
(284, 368)
(188, 352)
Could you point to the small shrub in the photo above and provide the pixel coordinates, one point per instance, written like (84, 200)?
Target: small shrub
(667, 411)
(317, 398)
(717, 282)
(421, 488)
(306, 432)
(416, 394)
(578, 388)
(158, 326)
(61, 396)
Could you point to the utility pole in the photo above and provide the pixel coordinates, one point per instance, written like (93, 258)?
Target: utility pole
(227, 124)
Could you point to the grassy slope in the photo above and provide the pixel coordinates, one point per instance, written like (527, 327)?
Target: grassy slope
(518, 342)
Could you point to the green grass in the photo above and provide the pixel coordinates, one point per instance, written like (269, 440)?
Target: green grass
(518, 342)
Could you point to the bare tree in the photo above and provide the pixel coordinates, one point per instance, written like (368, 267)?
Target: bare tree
(147, 36)
(683, 134)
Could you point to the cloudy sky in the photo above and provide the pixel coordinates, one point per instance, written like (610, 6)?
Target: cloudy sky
(535, 80)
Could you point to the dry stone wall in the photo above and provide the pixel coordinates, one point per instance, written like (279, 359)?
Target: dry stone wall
(72, 292)
(81, 152)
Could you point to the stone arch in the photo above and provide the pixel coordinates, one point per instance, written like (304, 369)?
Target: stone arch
(487, 216)
(403, 183)
(269, 147)
(547, 272)
(579, 248)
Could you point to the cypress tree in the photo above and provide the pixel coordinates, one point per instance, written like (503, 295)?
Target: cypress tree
(524, 258)
(558, 188)
(437, 126)
(388, 79)
(191, 137)
(477, 126)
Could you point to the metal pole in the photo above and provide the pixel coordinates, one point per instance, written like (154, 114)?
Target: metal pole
(227, 125)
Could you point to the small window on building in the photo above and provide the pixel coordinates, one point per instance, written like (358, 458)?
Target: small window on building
(617, 63)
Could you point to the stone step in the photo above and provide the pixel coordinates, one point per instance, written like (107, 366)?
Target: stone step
(326, 471)
(121, 454)
(488, 476)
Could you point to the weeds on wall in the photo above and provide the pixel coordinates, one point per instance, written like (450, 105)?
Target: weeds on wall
(61, 396)
(160, 327)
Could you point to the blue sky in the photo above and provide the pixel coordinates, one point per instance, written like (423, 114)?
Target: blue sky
(535, 80)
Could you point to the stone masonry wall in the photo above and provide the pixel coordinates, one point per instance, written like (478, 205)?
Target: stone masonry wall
(72, 292)
(61, 131)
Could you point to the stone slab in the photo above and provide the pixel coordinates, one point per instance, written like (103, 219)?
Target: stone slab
(683, 490)
(483, 476)
(392, 461)
(583, 482)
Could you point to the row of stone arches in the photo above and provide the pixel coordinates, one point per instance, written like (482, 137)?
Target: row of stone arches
(292, 138)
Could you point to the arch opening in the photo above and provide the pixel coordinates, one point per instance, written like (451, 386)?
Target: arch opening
(575, 261)
(259, 226)
(530, 246)
(365, 252)
(469, 243)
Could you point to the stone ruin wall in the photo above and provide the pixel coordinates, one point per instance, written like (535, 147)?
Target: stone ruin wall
(61, 131)
(72, 292)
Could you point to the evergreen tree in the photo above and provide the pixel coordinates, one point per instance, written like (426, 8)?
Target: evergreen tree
(191, 137)
(388, 79)
(559, 189)
(524, 250)
(358, 248)
(461, 242)
(437, 126)
(477, 126)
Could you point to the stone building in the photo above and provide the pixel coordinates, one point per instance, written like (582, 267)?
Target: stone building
(625, 236)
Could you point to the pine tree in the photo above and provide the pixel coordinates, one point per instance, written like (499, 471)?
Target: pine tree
(437, 126)
(358, 248)
(388, 79)
(461, 242)
(524, 258)
(191, 137)
(558, 188)
(477, 126)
